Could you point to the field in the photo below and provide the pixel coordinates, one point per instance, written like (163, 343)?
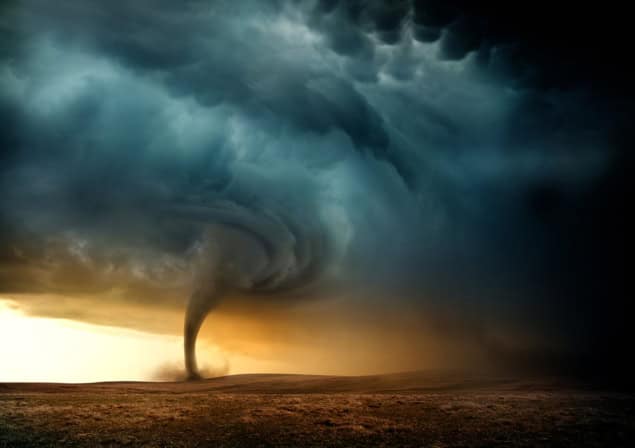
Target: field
(415, 409)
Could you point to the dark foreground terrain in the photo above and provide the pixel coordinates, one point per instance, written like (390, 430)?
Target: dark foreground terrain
(417, 409)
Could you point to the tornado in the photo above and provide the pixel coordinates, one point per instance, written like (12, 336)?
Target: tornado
(200, 304)
(256, 251)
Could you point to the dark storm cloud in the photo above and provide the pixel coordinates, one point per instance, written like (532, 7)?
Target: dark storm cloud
(528, 43)
(405, 152)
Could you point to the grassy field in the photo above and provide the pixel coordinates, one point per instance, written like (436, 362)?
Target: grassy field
(289, 410)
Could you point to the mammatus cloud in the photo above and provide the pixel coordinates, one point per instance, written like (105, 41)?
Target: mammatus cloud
(408, 155)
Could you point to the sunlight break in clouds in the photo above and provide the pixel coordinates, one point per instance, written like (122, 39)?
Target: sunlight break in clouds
(70, 351)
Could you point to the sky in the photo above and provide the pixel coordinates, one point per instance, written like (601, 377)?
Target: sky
(318, 186)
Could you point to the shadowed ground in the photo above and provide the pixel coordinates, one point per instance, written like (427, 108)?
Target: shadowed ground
(414, 409)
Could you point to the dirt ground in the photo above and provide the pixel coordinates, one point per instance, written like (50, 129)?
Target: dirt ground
(305, 411)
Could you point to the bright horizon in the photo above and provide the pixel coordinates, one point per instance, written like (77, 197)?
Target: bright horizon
(43, 349)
